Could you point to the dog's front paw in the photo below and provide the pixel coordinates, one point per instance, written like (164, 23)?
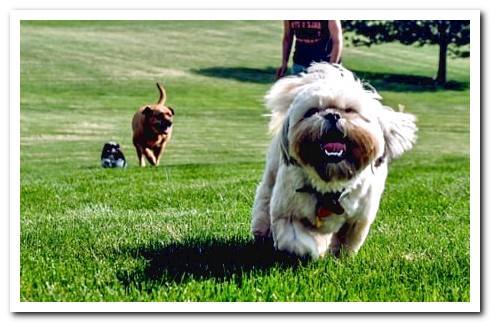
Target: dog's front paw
(292, 237)
(261, 231)
(260, 225)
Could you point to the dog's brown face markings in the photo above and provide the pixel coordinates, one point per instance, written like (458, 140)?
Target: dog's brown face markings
(327, 140)
(157, 121)
(152, 129)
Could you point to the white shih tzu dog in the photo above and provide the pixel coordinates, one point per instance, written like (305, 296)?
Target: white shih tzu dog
(327, 163)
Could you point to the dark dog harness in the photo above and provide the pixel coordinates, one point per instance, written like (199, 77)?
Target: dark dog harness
(327, 204)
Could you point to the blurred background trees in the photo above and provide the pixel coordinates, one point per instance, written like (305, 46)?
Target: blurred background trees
(451, 36)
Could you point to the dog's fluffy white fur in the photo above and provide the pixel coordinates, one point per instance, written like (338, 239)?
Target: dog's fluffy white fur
(309, 112)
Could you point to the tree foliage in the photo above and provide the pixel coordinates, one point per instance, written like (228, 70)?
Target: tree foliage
(450, 35)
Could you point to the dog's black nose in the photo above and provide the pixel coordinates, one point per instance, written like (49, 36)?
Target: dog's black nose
(333, 117)
(167, 123)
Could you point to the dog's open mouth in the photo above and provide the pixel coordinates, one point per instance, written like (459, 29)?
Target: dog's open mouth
(334, 149)
(333, 146)
(164, 129)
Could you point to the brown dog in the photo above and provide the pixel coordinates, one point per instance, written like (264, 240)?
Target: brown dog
(152, 129)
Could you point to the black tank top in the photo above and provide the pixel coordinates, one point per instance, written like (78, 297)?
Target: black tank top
(312, 41)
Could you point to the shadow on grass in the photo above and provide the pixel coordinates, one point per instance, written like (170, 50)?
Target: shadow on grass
(407, 83)
(200, 260)
(243, 74)
(381, 81)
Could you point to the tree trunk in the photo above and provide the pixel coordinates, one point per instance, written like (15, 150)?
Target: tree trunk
(441, 77)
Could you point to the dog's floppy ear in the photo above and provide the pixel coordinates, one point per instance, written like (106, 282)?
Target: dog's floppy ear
(284, 142)
(399, 130)
(171, 110)
(147, 112)
(280, 97)
(106, 146)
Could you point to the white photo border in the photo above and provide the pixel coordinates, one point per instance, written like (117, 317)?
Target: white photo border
(474, 305)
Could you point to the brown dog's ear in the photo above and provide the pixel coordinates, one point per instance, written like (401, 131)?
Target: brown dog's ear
(171, 110)
(147, 112)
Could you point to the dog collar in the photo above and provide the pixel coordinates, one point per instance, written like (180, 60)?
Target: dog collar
(327, 204)
(291, 161)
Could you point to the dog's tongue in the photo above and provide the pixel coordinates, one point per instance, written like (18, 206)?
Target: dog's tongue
(334, 147)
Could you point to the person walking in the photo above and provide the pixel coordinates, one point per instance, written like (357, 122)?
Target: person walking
(315, 41)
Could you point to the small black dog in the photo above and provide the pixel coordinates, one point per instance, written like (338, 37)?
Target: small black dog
(112, 156)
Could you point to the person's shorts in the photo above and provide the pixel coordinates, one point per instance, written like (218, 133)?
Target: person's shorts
(297, 69)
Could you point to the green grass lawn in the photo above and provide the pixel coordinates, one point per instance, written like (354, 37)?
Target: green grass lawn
(180, 232)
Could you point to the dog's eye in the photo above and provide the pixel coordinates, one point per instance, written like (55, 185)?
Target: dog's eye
(310, 112)
(349, 110)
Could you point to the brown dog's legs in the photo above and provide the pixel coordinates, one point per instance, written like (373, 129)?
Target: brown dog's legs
(139, 153)
(159, 151)
(150, 156)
